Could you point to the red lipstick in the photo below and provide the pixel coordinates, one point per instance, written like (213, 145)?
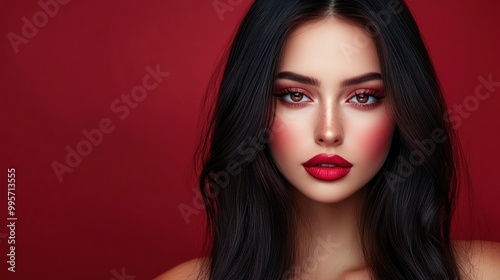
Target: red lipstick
(327, 167)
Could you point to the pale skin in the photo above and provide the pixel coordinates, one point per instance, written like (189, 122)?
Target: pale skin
(334, 117)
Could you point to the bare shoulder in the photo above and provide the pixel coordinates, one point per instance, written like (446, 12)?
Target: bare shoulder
(478, 259)
(186, 271)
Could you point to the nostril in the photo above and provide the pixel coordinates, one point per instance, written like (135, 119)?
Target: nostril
(335, 139)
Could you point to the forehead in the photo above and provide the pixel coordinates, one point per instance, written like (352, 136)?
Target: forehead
(329, 48)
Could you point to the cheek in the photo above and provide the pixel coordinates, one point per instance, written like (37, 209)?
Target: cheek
(285, 137)
(376, 138)
(281, 135)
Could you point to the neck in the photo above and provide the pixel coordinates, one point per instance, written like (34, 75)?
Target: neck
(328, 241)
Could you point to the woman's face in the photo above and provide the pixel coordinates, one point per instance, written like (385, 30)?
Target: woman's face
(330, 101)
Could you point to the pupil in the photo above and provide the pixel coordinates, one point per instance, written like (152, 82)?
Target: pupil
(296, 96)
(362, 98)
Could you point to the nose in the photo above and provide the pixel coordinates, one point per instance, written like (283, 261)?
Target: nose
(329, 130)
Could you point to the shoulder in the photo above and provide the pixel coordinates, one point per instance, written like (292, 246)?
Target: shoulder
(186, 271)
(478, 259)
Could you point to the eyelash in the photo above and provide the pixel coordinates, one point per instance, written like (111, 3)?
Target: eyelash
(369, 92)
(289, 91)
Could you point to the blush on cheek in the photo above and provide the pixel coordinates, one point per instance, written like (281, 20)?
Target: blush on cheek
(286, 136)
(279, 136)
(379, 138)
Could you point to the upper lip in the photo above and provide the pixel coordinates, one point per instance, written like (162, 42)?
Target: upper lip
(327, 159)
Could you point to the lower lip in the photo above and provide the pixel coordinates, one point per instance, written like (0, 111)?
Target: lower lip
(327, 173)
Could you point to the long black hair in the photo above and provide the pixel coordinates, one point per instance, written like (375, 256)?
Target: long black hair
(405, 226)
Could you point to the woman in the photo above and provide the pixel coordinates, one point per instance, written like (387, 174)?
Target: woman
(327, 155)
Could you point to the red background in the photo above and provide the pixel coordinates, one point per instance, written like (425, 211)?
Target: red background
(119, 207)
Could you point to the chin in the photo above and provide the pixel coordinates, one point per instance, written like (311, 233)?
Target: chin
(328, 193)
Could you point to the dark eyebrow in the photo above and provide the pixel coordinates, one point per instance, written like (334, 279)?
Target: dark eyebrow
(298, 78)
(361, 79)
(314, 82)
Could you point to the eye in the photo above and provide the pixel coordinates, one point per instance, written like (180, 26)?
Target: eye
(365, 98)
(292, 97)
